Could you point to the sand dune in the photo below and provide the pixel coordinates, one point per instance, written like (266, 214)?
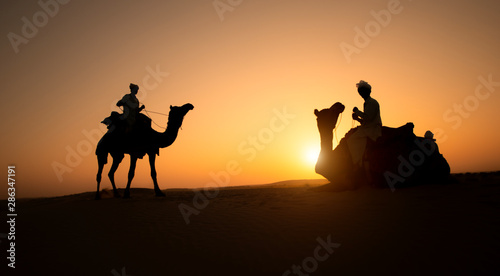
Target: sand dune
(266, 230)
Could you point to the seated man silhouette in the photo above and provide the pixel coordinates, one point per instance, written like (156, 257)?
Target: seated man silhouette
(371, 125)
(131, 109)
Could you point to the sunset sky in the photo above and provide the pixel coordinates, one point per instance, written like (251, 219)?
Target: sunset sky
(254, 70)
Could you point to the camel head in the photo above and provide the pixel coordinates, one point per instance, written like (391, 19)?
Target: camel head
(177, 113)
(327, 118)
(181, 110)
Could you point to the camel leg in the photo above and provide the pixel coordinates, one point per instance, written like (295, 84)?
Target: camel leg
(117, 159)
(131, 172)
(98, 178)
(102, 159)
(152, 158)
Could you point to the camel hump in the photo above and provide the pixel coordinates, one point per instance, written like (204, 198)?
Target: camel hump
(391, 134)
(144, 120)
(116, 121)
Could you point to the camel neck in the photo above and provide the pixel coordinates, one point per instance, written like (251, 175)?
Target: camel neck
(168, 137)
(173, 126)
(326, 140)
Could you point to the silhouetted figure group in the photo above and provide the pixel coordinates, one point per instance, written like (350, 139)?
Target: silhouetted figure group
(369, 153)
(374, 154)
(131, 133)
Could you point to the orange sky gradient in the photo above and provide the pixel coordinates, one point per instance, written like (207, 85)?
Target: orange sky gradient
(239, 65)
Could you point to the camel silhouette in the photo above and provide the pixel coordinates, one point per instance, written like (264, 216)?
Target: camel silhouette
(396, 159)
(137, 144)
(325, 165)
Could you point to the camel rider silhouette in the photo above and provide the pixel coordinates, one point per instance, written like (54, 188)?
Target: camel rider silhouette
(371, 124)
(131, 108)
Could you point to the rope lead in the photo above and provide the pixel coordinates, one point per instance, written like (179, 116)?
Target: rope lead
(147, 112)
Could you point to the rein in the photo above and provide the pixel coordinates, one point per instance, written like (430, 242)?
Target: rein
(147, 113)
(149, 116)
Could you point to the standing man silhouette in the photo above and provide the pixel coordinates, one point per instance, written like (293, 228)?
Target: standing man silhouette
(371, 124)
(131, 107)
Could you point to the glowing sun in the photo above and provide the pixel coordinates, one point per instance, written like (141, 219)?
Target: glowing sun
(311, 156)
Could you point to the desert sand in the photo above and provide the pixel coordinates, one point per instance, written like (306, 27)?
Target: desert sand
(451, 229)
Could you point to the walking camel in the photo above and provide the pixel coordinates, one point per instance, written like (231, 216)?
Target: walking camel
(144, 141)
